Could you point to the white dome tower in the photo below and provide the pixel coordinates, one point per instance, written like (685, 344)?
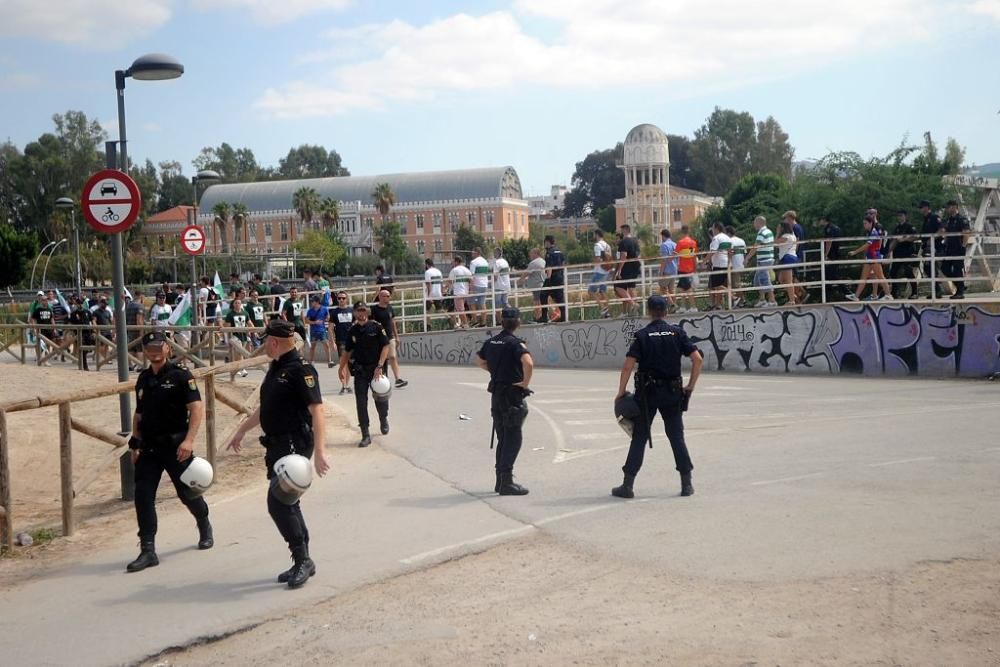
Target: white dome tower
(647, 177)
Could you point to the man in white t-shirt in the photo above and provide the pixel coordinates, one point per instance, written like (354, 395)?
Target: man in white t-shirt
(534, 279)
(720, 249)
(739, 253)
(501, 279)
(603, 261)
(432, 286)
(480, 269)
(459, 279)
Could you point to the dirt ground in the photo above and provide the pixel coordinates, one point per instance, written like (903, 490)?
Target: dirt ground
(34, 461)
(540, 602)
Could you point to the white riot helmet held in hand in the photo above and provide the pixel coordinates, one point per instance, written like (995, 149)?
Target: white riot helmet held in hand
(292, 478)
(198, 476)
(382, 387)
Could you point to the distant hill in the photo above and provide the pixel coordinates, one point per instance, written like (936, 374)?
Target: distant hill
(991, 170)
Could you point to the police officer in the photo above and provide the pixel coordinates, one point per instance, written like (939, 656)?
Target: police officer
(657, 349)
(509, 363)
(366, 350)
(168, 414)
(291, 416)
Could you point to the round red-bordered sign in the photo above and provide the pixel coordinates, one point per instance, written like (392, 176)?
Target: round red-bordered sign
(111, 201)
(193, 240)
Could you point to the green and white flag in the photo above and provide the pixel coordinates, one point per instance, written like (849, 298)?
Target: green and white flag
(220, 290)
(182, 312)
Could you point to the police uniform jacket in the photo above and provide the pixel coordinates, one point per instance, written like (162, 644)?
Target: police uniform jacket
(658, 348)
(365, 343)
(290, 387)
(161, 400)
(502, 354)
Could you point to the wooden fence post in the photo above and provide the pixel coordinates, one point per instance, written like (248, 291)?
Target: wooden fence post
(210, 418)
(7, 515)
(66, 466)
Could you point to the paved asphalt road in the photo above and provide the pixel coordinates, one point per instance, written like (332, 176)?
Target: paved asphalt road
(794, 477)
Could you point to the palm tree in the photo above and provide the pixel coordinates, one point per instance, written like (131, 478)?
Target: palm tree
(329, 211)
(240, 216)
(384, 198)
(222, 211)
(306, 202)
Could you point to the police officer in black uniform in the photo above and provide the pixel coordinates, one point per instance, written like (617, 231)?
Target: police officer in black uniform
(509, 363)
(659, 387)
(955, 229)
(366, 350)
(168, 414)
(291, 416)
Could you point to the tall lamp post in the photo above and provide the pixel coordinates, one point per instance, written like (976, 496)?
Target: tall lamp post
(31, 282)
(150, 67)
(49, 259)
(67, 203)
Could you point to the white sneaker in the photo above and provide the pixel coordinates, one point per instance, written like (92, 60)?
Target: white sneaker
(763, 304)
(772, 304)
(692, 310)
(886, 297)
(243, 373)
(851, 296)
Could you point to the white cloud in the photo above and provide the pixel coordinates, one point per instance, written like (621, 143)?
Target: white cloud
(98, 24)
(590, 44)
(150, 126)
(989, 8)
(274, 12)
(18, 81)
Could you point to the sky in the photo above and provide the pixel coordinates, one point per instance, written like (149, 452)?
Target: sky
(537, 84)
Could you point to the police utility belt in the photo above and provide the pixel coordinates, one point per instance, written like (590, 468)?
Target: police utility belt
(303, 437)
(168, 441)
(675, 384)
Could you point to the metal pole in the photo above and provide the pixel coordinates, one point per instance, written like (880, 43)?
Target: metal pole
(126, 469)
(76, 245)
(31, 282)
(48, 259)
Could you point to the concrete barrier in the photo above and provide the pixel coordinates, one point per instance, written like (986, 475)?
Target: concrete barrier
(875, 339)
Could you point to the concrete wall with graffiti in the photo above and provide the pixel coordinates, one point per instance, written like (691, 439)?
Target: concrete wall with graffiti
(874, 340)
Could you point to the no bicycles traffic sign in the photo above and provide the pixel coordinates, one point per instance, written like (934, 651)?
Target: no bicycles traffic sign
(193, 240)
(111, 201)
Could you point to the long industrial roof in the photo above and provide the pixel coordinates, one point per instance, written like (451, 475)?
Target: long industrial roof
(428, 186)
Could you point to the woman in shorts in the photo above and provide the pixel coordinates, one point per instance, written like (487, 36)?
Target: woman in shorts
(787, 259)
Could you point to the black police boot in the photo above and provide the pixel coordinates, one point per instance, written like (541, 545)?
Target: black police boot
(508, 487)
(686, 488)
(384, 426)
(366, 439)
(205, 537)
(147, 557)
(625, 490)
(496, 487)
(303, 568)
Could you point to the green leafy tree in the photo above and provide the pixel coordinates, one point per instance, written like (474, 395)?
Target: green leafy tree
(306, 203)
(323, 246)
(515, 251)
(954, 157)
(769, 195)
(17, 251)
(467, 238)
(606, 219)
(222, 211)
(329, 211)
(597, 182)
(308, 161)
(234, 165)
(682, 170)
(392, 248)
(175, 188)
(772, 154)
(384, 198)
(241, 216)
(148, 181)
(723, 147)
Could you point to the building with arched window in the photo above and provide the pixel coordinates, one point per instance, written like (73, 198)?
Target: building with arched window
(430, 207)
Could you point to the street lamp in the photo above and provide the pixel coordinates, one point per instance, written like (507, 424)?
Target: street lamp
(41, 252)
(150, 67)
(49, 259)
(67, 203)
